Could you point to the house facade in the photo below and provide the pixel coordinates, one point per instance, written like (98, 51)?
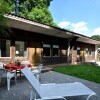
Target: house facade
(39, 43)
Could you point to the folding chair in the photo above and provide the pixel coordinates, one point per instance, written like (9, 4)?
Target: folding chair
(55, 91)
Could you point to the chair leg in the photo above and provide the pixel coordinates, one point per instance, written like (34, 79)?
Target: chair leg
(20, 75)
(31, 95)
(15, 78)
(91, 96)
(8, 83)
(19, 72)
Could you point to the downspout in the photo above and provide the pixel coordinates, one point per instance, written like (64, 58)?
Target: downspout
(96, 51)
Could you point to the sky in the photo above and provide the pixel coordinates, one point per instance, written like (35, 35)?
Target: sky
(80, 16)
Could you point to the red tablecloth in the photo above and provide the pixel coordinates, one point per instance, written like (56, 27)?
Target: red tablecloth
(14, 67)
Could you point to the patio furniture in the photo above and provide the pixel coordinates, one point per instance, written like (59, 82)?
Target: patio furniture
(15, 68)
(54, 91)
(8, 76)
(37, 71)
(1, 65)
(25, 62)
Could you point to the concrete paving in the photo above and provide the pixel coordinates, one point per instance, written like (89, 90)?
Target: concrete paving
(21, 91)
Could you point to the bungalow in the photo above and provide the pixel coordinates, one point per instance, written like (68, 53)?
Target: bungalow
(40, 43)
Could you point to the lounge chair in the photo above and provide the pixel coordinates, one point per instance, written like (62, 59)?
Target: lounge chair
(55, 91)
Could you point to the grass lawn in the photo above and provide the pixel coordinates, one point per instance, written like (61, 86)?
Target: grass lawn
(88, 72)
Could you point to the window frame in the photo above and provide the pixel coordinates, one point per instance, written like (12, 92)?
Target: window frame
(56, 47)
(24, 49)
(78, 49)
(46, 46)
(88, 52)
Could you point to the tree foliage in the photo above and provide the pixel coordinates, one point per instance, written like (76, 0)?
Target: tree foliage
(96, 37)
(35, 10)
(3, 21)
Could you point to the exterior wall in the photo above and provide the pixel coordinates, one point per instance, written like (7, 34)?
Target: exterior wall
(84, 57)
(54, 60)
(62, 58)
(98, 54)
(35, 42)
(34, 54)
(34, 48)
(74, 57)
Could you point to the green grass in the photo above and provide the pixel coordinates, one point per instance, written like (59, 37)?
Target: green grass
(88, 72)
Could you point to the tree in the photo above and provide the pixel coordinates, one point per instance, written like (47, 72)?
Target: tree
(36, 10)
(41, 15)
(96, 37)
(3, 21)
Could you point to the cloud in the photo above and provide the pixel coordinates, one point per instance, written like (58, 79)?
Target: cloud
(64, 24)
(76, 27)
(79, 27)
(96, 31)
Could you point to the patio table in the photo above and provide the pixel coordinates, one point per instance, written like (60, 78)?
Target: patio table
(13, 67)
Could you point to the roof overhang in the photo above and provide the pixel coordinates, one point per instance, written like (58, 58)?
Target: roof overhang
(28, 25)
(85, 39)
(24, 24)
(88, 40)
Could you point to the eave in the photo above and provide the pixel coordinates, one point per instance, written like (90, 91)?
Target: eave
(29, 25)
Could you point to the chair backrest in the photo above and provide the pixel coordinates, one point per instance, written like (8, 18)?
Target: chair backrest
(39, 67)
(2, 71)
(1, 65)
(25, 62)
(31, 78)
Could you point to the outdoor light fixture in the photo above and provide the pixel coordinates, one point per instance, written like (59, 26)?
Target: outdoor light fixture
(17, 52)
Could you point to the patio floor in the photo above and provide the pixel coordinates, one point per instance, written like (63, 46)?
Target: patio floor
(21, 91)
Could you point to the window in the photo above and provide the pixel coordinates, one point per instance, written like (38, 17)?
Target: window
(46, 50)
(78, 51)
(4, 48)
(88, 52)
(98, 51)
(55, 50)
(21, 49)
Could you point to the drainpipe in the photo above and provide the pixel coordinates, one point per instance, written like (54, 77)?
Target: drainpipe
(96, 51)
(68, 52)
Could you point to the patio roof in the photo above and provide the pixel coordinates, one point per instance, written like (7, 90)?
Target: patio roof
(33, 26)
